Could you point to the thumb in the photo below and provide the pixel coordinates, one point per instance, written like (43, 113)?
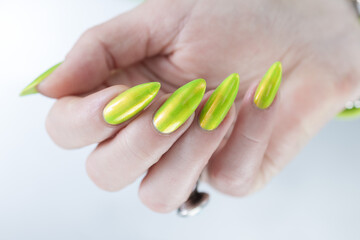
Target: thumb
(115, 44)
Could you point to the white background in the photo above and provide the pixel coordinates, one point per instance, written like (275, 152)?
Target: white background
(46, 194)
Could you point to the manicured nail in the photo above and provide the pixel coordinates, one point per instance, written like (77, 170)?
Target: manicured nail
(351, 111)
(31, 88)
(130, 103)
(349, 114)
(219, 103)
(179, 106)
(268, 87)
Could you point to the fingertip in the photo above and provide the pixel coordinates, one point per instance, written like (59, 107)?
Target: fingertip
(34, 86)
(51, 85)
(151, 200)
(95, 176)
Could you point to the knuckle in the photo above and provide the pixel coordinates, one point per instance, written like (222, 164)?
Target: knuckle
(135, 152)
(250, 139)
(90, 33)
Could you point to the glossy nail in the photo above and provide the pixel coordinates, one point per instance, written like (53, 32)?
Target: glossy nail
(31, 88)
(351, 111)
(268, 87)
(219, 103)
(349, 114)
(179, 106)
(131, 102)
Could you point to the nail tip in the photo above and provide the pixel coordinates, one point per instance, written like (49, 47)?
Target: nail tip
(32, 87)
(158, 86)
(201, 82)
(278, 66)
(235, 76)
(28, 91)
(154, 87)
(22, 93)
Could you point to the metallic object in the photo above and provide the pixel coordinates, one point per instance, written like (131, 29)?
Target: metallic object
(195, 203)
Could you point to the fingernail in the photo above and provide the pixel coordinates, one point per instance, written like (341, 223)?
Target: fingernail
(179, 106)
(268, 87)
(219, 103)
(31, 88)
(131, 102)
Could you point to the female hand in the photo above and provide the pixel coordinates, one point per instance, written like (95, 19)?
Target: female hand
(173, 42)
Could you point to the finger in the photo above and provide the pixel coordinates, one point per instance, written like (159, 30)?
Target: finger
(234, 168)
(170, 181)
(117, 162)
(117, 44)
(75, 122)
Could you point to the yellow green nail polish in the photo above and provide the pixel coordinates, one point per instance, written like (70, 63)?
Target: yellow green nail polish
(349, 113)
(129, 103)
(31, 88)
(268, 87)
(219, 103)
(179, 106)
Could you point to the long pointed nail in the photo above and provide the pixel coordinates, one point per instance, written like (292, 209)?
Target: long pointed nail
(219, 103)
(31, 88)
(129, 103)
(179, 106)
(268, 87)
(351, 111)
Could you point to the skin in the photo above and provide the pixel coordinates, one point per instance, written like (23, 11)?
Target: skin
(318, 43)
